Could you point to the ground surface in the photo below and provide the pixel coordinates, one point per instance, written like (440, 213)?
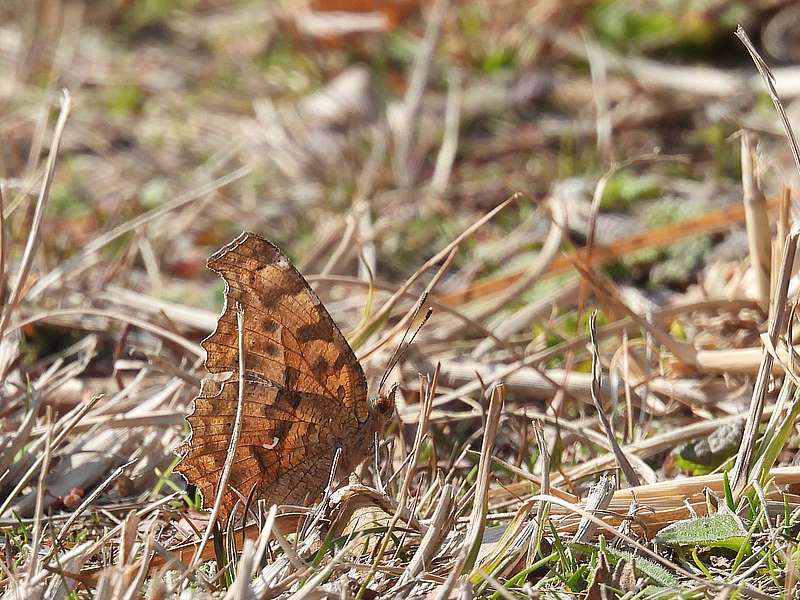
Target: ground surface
(528, 164)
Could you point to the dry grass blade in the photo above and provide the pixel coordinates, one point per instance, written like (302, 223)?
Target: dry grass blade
(440, 524)
(741, 469)
(8, 452)
(452, 121)
(37, 463)
(769, 81)
(405, 135)
(543, 509)
(444, 591)
(81, 260)
(141, 323)
(756, 219)
(608, 428)
(38, 216)
(39, 512)
(3, 248)
(422, 426)
(474, 534)
(598, 500)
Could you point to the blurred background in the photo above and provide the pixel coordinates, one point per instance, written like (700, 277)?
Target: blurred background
(394, 123)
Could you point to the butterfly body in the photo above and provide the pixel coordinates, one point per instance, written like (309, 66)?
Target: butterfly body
(304, 396)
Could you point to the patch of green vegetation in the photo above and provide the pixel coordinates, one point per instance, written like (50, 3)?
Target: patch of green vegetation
(625, 188)
(722, 530)
(642, 256)
(400, 48)
(547, 286)
(716, 138)
(617, 270)
(544, 337)
(576, 159)
(425, 234)
(684, 27)
(670, 212)
(483, 53)
(218, 293)
(285, 66)
(125, 100)
(154, 192)
(66, 203)
(499, 59)
(677, 330)
(143, 13)
(644, 566)
(680, 261)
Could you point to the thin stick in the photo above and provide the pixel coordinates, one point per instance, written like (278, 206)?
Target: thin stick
(171, 336)
(444, 590)
(234, 442)
(88, 501)
(429, 546)
(401, 351)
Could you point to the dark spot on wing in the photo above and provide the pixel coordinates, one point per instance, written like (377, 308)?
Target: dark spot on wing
(281, 429)
(290, 377)
(320, 368)
(341, 361)
(292, 398)
(314, 331)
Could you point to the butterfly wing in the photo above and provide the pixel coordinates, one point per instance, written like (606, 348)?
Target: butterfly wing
(305, 393)
(290, 339)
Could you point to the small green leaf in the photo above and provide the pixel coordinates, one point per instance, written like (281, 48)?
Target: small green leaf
(722, 530)
(652, 569)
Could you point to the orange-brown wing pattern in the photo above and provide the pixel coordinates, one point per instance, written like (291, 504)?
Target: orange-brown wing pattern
(304, 395)
(286, 443)
(290, 339)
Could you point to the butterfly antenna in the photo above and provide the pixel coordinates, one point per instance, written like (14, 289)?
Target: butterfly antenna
(401, 350)
(394, 355)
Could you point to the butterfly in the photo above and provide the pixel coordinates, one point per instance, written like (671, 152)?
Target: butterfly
(304, 393)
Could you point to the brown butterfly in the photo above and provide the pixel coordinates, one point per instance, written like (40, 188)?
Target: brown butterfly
(305, 394)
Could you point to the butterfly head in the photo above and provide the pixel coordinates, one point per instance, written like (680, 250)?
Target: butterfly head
(383, 404)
